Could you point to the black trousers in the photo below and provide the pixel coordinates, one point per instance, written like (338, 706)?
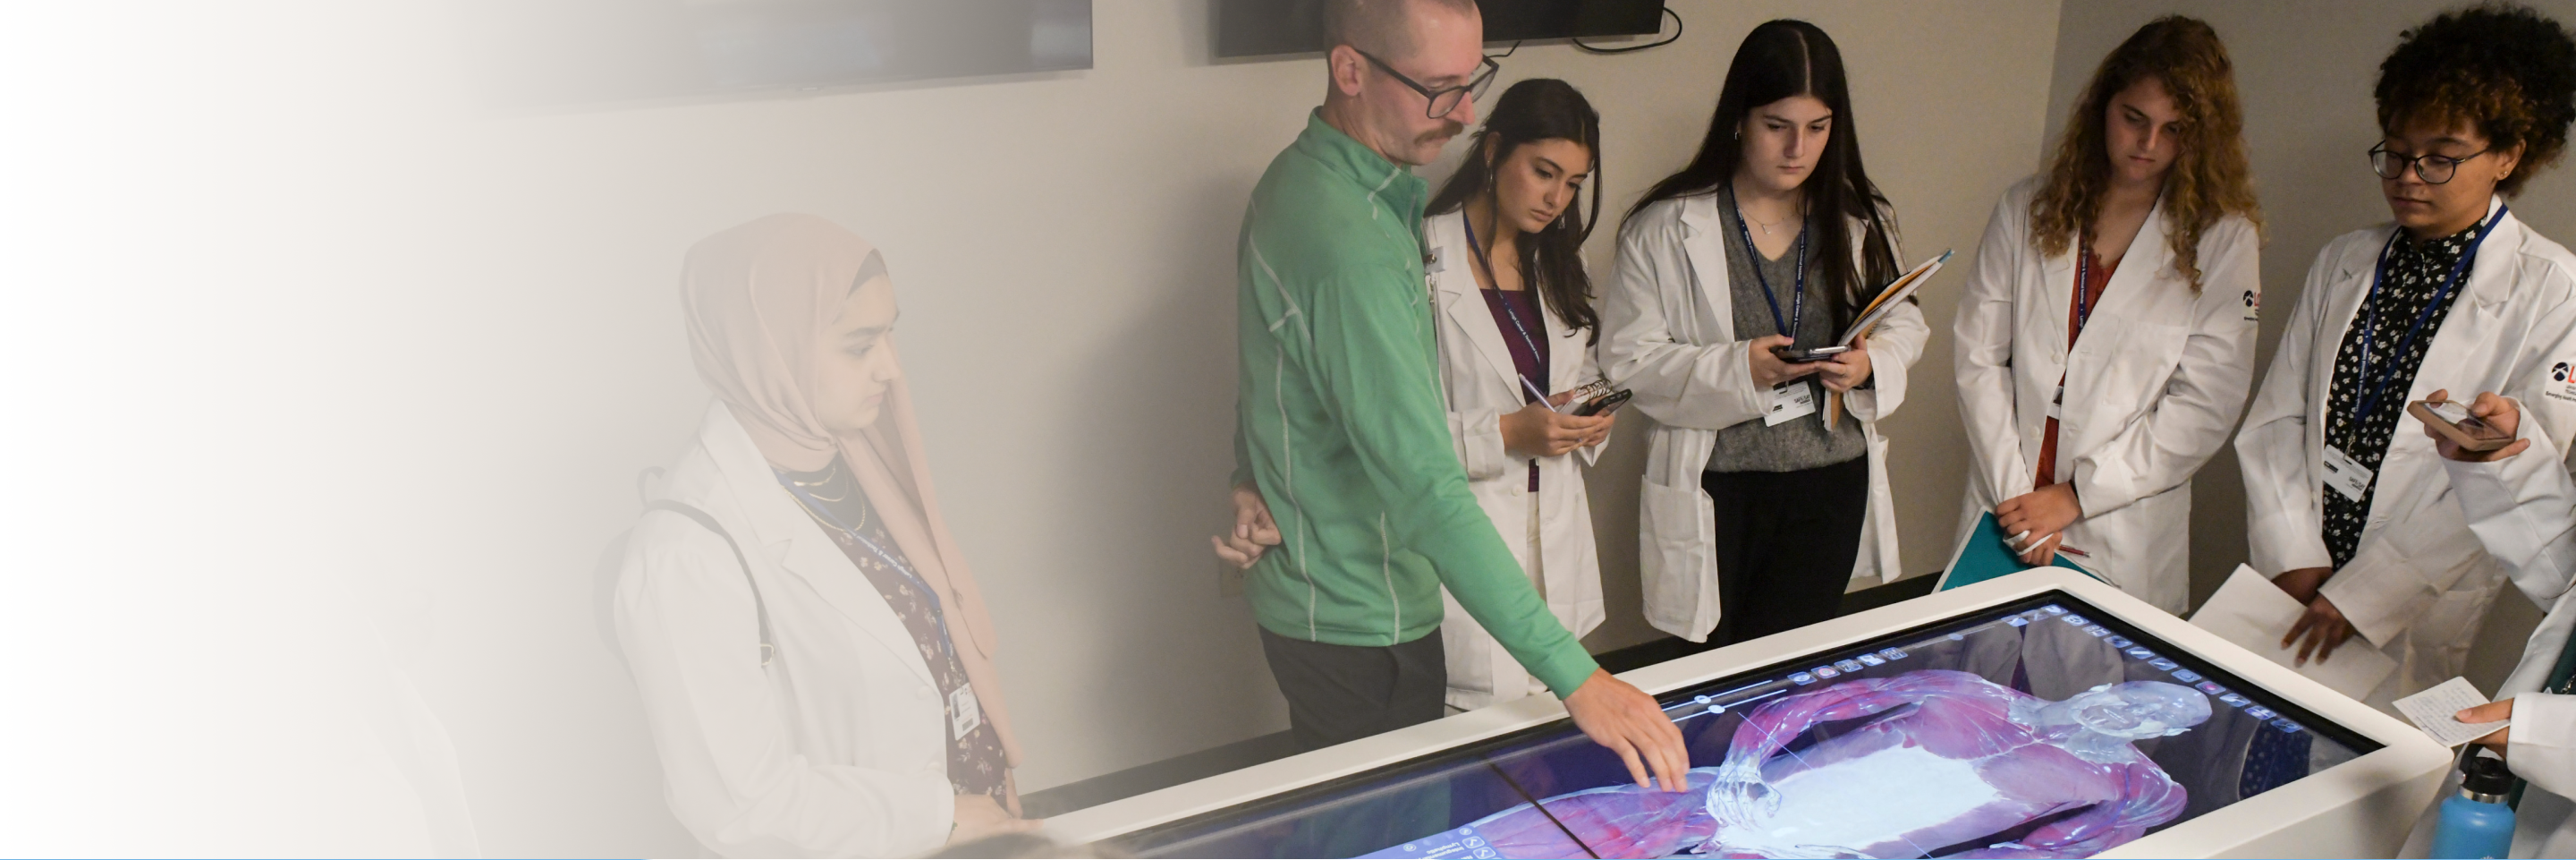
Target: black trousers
(1785, 545)
(1342, 693)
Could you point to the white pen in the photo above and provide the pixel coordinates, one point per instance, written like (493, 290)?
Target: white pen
(1542, 396)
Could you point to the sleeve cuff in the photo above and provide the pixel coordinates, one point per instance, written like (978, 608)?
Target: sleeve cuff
(932, 803)
(2378, 594)
(2542, 747)
(1566, 670)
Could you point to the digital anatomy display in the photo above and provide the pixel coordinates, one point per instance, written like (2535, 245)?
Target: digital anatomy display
(2030, 730)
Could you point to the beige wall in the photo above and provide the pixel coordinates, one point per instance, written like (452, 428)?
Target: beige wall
(2304, 69)
(1063, 248)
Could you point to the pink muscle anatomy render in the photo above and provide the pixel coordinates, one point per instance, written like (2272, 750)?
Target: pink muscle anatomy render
(1928, 763)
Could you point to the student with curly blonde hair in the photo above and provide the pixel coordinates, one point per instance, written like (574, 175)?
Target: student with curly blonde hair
(2349, 511)
(2106, 335)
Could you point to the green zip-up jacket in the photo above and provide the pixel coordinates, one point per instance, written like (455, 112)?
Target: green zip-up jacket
(1340, 421)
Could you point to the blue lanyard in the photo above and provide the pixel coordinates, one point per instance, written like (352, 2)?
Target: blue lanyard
(947, 641)
(2370, 322)
(1797, 303)
(1508, 313)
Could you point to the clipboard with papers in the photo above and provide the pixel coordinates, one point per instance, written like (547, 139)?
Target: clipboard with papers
(1893, 295)
(1897, 292)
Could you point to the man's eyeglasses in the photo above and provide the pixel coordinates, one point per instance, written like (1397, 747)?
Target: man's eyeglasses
(2433, 169)
(1445, 99)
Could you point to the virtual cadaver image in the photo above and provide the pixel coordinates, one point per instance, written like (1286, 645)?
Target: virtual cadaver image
(2022, 731)
(1948, 764)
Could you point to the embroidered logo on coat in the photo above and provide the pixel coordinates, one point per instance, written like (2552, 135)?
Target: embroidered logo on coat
(2564, 375)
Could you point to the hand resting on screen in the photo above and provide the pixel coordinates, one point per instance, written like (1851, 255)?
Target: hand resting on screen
(1928, 763)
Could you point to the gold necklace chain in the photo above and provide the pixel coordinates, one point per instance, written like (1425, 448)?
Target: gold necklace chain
(829, 478)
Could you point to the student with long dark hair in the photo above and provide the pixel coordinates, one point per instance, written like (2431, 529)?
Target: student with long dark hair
(1757, 506)
(1512, 314)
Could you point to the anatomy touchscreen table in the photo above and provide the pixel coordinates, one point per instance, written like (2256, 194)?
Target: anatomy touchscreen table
(2040, 728)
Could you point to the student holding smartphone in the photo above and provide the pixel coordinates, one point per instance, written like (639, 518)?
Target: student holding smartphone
(2085, 438)
(1756, 509)
(1512, 314)
(2522, 507)
(2348, 514)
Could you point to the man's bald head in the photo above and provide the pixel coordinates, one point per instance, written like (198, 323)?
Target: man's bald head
(1385, 28)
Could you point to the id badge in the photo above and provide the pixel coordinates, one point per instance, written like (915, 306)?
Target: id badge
(1790, 401)
(964, 714)
(2345, 476)
(2057, 404)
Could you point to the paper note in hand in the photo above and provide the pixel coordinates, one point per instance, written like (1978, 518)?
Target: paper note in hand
(2253, 613)
(2435, 711)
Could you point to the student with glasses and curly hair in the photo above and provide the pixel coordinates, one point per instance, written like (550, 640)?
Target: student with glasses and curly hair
(2106, 335)
(2349, 515)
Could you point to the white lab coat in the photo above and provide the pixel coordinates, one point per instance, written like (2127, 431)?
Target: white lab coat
(2420, 583)
(1668, 332)
(2152, 389)
(1480, 386)
(839, 747)
(2523, 511)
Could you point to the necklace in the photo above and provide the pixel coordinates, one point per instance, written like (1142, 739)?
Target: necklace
(1766, 226)
(836, 480)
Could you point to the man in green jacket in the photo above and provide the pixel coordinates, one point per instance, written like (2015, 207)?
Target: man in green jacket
(1341, 430)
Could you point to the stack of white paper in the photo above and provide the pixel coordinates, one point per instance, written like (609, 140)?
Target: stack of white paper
(2253, 613)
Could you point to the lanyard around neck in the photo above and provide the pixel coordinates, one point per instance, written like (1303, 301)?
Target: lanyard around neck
(2370, 303)
(2083, 286)
(1508, 312)
(947, 641)
(1798, 302)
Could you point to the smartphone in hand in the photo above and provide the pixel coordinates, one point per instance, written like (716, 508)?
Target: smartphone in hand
(1808, 356)
(2453, 421)
(1603, 404)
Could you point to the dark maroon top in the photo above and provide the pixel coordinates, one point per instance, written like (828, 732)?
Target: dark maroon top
(1516, 312)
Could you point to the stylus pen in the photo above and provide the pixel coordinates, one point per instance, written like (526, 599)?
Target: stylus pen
(1542, 396)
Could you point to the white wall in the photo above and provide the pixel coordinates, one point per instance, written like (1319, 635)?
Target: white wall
(1063, 249)
(399, 359)
(2304, 69)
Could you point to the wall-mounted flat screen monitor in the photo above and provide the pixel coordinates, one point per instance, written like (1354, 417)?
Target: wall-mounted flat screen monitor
(1249, 28)
(566, 52)
(2040, 727)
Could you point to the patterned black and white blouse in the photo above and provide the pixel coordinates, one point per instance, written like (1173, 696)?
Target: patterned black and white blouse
(976, 762)
(2416, 270)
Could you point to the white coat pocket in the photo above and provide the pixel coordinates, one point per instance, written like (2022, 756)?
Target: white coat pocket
(1678, 573)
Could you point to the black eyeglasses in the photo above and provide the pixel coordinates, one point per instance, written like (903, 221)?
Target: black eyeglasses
(1445, 99)
(2433, 169)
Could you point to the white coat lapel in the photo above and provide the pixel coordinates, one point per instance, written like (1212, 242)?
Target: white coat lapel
(1463, 301)
(781, 531)
(2056, 291)
(1708, 267)
(2131, 287)
(2472, 319)
(2496, 269)
(2140, 264)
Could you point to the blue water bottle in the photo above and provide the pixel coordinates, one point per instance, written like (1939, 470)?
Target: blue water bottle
(2476, 823)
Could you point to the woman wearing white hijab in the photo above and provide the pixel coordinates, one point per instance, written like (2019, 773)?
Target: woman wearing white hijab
(815, 660)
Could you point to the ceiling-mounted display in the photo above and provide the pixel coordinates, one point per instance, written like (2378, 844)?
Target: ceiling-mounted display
(1249, 28)
(531, 53)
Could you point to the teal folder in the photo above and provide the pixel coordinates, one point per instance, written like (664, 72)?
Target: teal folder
(1985, 556)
